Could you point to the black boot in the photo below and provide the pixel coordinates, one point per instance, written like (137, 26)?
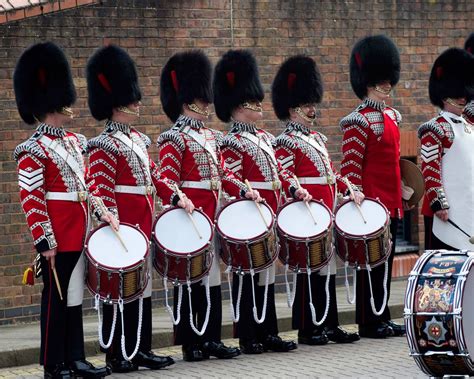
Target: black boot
(59, 371)
(379, 330)
(85, 369)
(276, 344)
(339, 335)
(398, 330)
(192, 353)
(250, 346)
(316, 337)
(219, 350)
(151, 360)
(119, 364)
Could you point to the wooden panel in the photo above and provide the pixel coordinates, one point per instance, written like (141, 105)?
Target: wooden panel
(409, 143)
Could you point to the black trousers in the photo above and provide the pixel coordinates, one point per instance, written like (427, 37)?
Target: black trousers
(364, 314)
(183, 333)
(302, 318)
(130, 319)
(431, 241)
(247, 327)
(62, 336)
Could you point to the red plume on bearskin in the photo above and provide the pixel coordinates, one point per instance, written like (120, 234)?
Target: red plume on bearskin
(185, 77)
(43, 82)
(374, 59)
(297, 82)
(112, 81)
(245, 86)
(452, 76)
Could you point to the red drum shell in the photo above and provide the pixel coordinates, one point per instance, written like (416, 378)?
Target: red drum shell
(109, 282)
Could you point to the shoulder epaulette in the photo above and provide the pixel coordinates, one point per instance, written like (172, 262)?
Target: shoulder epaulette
(286, 141)
(218, 135)
(469, 109)
(322, 136)
(146, 139)
(432, 125)
(173, 135)
(354, 118)
(103, 141)
(231, 140)
(31, 146)
(397, 115)
(81, 138)
(271, 138)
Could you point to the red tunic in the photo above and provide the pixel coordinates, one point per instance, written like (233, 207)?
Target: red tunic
(186, 162)
(247, 160)
(304, 160)
(371, 148)
(113, 164)
(57, 224)
(436, 137)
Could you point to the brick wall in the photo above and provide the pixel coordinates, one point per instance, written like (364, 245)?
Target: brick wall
(151, 31)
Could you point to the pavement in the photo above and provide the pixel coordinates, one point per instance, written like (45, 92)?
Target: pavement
(19, 350)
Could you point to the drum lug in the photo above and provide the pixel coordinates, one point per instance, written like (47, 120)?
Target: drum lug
(239, 271)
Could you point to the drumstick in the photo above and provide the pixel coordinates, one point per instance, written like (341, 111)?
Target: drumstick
(471, 238)
(306, 203)
(55, 274)
(180, 195)
(352, 193)
(247, 183)
(104, 210)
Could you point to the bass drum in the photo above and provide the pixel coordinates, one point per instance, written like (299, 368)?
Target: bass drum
(439, 313)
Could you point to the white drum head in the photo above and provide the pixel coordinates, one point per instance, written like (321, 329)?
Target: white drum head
(295, 220)
(175, 231)
(105, 248)
(349, 220)
(242, 221)
(468, 313)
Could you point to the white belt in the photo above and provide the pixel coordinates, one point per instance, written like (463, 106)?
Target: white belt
(67, 196)
(317, 180)
(135, 190)
(272, 186)
(202, 184)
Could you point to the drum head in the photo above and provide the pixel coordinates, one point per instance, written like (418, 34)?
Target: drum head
(294, 219)
(175, 232)
(468, 313)
(349, 220)
(241, 220)
(105, 248)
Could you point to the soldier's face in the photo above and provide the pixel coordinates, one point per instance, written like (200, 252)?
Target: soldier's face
(455, 105)
(250, 111)
(380, 92)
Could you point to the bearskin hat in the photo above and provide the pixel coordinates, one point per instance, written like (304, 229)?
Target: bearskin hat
(236, 81)
(374, 59)
(112, 81)
(42, 82)
(469, 44)
(452, 76)
(184, 78)
(296, 83)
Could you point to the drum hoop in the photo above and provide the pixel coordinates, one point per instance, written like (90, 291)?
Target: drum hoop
(191, 254)
(129, 268)
(314, 237)
(244, 240)
(373, 234)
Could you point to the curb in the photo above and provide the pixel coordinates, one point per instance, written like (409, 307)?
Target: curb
(160, 339)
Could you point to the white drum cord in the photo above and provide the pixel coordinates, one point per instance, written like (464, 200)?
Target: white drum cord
(354, 284)
(328, 299)
(168, 308)
(385, 292)
(208, 311)
(265, 296)
(139, 329)
(290, 293)
(99, 328)
(234, 313)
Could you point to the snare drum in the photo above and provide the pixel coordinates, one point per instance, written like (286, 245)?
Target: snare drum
(246, 241)
(358, 242)
(439, 313)
(181, 254)
(112, 272)
(304, 244)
